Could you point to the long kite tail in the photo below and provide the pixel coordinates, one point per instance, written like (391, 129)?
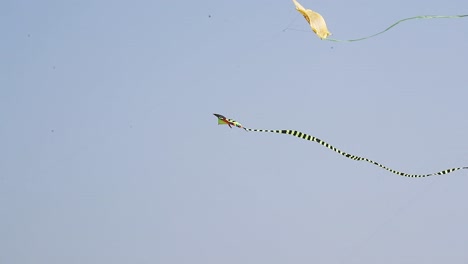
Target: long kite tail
(394, 24)
(353, 157)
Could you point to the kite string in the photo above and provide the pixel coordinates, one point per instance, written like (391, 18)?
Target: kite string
(361, 246)
(251, 52)
(289, 24)
(394, 24)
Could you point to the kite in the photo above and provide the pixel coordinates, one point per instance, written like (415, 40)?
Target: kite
(222, 120)
(318, 25)
(315, 20)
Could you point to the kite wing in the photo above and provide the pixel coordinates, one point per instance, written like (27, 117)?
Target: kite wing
(347, 155)
(222, 122)
(315, 20)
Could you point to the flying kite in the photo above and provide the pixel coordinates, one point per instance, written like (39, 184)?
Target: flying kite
(318, 25)
(315, 20)
(222, 120)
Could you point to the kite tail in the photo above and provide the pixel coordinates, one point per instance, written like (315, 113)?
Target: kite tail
(394, 24)
(350, 156)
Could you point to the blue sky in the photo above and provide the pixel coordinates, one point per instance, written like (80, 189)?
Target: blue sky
(111, 154)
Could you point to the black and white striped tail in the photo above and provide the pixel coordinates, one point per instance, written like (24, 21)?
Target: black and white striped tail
(323, 143)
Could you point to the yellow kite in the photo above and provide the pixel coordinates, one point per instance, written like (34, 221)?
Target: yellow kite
(315, 20)
(318, 25)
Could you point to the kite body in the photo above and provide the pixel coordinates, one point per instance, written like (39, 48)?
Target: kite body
(222, 120)
(315, 20)
(298, 134)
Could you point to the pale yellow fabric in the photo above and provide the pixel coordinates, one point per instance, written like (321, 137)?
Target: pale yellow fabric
(315, 20)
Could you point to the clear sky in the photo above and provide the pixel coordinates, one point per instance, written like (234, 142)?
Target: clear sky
(109, 152)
